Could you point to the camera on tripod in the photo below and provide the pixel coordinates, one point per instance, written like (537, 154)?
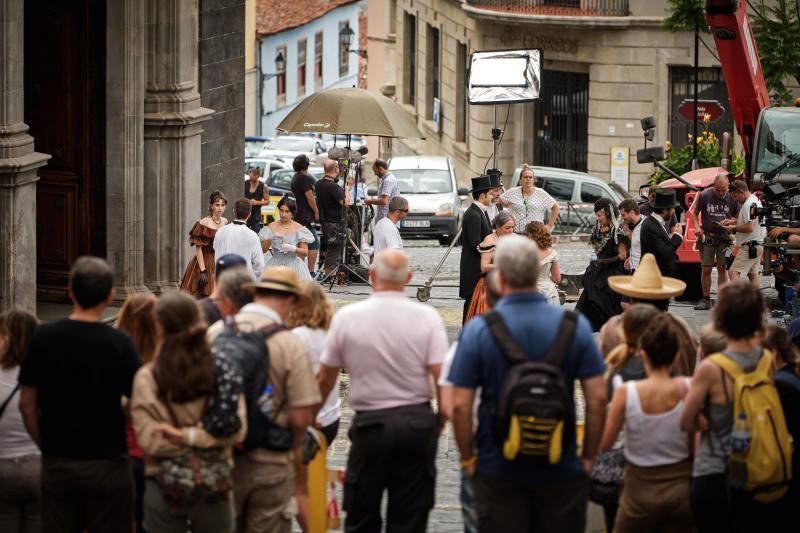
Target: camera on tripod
(780, 207)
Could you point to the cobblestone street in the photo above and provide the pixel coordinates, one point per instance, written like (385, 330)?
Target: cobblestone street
(424, 257)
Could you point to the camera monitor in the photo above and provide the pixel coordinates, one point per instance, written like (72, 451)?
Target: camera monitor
(504, 76)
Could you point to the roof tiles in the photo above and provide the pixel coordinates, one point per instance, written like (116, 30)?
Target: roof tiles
(275, 16)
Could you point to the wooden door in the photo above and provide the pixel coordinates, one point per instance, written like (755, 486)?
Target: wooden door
(65, 109)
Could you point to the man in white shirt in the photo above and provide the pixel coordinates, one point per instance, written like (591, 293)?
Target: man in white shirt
(749, 235)
(394, 432)
(386, 233)
(237, 238)
(629, 212)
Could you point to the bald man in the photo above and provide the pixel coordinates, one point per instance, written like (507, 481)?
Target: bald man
(716, 208)
(332, 199)
(394, 432)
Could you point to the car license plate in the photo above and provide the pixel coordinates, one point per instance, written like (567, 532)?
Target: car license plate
(416, 223)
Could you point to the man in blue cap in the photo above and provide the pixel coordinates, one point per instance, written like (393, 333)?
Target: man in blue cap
(209, 303)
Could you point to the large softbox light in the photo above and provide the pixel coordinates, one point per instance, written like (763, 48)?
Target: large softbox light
(504, 76)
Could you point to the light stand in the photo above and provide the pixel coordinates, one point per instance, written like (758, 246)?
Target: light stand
(344, 234)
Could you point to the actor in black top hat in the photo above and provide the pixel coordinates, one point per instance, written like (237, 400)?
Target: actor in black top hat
(656, 238)
(474, 228)
(497, 189)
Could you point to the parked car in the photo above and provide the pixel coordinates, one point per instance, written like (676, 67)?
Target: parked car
(280, 184)
(287, 147)
(430, 185)
(267, 166)
(341, 140)
(253, 144)
(576, 192)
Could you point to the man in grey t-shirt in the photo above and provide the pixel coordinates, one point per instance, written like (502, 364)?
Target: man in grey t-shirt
(716, 208)
(388, 188)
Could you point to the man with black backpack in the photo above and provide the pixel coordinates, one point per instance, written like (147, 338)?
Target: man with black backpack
(525, 356)
(280, 391)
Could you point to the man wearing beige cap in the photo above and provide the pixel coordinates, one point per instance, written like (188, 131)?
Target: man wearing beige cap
(279, 408)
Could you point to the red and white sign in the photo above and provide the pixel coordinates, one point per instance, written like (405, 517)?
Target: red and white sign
(712, 107)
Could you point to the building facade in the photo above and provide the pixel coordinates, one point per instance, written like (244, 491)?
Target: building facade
(607, 64)
(102, 143)
(306, 37)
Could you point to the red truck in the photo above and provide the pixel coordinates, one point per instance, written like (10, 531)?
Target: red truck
(770, 138)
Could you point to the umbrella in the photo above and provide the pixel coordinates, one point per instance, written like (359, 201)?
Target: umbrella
(350, 111)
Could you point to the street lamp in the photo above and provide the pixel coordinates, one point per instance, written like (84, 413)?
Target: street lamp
(346, 39)
(280, 67)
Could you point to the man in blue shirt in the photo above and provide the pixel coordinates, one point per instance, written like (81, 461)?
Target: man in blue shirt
(525, 495)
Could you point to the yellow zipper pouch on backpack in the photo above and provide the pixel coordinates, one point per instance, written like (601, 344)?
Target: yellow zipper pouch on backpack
(769, 455)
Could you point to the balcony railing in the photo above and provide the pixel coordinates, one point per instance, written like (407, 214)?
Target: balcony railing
(603, 8)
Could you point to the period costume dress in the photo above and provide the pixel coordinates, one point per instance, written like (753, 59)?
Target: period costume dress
(544, 284)
(477, 304)
(474, 228)
(202, 236)
(598, 302)
(288, 259)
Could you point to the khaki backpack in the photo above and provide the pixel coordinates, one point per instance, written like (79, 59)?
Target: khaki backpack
(766, 464)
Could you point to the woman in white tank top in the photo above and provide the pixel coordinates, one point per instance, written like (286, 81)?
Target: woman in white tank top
(658, 471)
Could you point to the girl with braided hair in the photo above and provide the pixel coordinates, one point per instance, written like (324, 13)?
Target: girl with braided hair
(610, 249)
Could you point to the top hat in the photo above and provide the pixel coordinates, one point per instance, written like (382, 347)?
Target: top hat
(279, 278)
(482, 183)
(495, 180)
(647, 283)
(664, 199)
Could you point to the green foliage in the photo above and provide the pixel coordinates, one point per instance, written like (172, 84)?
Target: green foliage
(776, 26)
(685, 15)
(709, 154)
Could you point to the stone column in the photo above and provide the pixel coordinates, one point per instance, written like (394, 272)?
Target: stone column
(173, 122)
(18, 164)
(125, 85)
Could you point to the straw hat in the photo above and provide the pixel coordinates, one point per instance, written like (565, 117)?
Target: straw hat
(279, 278)
(647, 283)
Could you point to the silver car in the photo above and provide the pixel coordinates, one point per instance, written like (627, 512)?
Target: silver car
(287, 147)
(430, 185)
(576, 192)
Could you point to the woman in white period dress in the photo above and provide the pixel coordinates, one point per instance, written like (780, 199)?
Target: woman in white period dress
(549, 271)
(287, 240)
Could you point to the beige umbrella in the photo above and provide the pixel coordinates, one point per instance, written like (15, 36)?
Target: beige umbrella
(350, 111)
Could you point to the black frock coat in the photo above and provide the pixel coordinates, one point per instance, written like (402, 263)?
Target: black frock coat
(474, 228)
(656, 241)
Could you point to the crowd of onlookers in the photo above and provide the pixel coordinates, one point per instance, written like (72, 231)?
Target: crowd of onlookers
(203, 415)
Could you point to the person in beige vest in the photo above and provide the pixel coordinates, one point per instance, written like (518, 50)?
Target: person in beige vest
(263, 476)
(170, 398)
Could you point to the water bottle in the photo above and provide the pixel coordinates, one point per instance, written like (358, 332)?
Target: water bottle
(265, 402)
(594, 257)
(788, 301)
(740, 445)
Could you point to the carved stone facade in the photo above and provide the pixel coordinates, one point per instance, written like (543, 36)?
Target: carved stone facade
(153, 124)
(622, 65)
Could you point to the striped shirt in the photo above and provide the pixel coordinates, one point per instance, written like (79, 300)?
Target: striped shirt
(237, 238)
(387, 186)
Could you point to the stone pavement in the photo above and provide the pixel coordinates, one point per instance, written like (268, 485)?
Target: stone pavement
(424, 257)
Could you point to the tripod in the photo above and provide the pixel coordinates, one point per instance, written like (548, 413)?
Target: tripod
(344, 234)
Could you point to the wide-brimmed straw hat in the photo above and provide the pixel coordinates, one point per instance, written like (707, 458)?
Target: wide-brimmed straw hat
(279, 278)
(647, 283)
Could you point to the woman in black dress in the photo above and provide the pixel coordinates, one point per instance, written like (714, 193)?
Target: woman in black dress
(610, 248)
(258, 193)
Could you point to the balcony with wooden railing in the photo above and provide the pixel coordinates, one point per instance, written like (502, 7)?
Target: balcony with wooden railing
(556, 8)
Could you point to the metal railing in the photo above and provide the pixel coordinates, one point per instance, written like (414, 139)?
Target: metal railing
(607, 8)
(570, 221)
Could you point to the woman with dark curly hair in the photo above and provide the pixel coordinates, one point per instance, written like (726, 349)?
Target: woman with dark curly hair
(609, 251)
(549, 271)
(171, 397)
(198, 278)
(287, 240)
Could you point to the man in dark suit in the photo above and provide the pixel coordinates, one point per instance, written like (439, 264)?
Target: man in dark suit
(655, 237)
(474, 228)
